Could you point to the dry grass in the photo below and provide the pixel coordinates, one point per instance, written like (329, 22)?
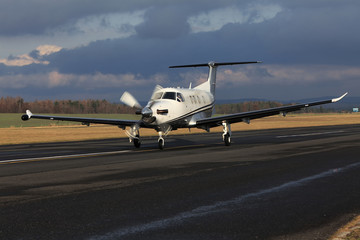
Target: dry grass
(350, 231)
(77, 133)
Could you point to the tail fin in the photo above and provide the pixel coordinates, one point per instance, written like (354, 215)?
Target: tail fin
(210, 85)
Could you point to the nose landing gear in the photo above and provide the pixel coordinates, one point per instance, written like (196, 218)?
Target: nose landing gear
(161, 143)
(163, 130)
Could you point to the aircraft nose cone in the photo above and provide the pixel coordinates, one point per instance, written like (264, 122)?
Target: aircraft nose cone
(146, 112)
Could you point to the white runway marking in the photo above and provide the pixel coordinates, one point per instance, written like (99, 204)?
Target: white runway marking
(309, 134)
(62, 156)
(220, 206)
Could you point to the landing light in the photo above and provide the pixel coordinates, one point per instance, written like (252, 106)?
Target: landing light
(162, 111)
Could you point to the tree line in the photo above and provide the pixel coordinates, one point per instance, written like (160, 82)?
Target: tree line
(245, 106)
(257, 105)
(18, 105)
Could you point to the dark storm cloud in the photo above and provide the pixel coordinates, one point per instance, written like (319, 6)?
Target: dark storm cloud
(36, 16)
(164, 22)
(287, 39)
(23, 17)
(303, 33)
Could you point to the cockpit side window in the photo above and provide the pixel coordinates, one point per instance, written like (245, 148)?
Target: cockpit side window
(179, 97)
(169, 95)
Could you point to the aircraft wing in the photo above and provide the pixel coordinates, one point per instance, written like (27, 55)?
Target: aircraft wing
(85, 121)
(247, 116)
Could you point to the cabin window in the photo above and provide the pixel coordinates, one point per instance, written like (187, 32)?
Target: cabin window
(198, 99)
(169, 95)
(203, 99)
(179, 97)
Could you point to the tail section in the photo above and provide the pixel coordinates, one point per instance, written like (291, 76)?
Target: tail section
(210, 85)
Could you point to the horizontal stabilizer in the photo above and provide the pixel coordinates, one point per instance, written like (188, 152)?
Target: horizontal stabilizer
(213, 64)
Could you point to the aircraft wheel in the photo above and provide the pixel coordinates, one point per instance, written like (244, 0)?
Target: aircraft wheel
(227, 139)
(137, 142)
(161, 143)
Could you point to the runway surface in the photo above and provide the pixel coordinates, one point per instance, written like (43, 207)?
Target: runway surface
(301, 183)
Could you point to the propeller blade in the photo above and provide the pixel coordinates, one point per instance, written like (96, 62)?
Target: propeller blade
(129, 100)
(157, 88)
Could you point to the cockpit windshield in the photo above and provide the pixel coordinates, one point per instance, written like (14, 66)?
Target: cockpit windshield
(169, 95)
(173, 96)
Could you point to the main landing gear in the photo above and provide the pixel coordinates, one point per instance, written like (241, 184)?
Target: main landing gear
(134, 135)
(227, 133)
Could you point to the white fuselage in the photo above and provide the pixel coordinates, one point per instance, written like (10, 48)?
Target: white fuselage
(180, 107)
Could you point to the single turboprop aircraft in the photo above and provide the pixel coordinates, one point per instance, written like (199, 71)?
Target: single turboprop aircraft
(172, 108)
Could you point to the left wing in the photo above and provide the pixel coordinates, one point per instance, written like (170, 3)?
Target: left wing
(247, 116)
(85, 121)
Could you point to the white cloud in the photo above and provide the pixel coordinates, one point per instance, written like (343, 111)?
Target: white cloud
(22, 60)
(106, 26)
(48, 49)
(216, 19)
(78, 33)
(25, 59)
(263, 13)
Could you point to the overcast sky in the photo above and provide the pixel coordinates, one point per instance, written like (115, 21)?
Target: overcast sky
(98, 49)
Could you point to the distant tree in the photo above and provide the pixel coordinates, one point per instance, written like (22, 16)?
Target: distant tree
(18, 105)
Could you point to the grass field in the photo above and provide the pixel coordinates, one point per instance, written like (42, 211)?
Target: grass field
(15, 131)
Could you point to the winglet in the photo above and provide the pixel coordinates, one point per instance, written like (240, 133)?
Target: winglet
(339, 98)
(27, 116)
(29, 113)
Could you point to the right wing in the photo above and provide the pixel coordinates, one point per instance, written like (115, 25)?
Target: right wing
(86, 121)
(247, 116)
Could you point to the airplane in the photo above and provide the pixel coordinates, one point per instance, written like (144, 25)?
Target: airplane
(172, 108)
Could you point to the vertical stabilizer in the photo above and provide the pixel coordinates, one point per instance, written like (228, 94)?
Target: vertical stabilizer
(212, 78)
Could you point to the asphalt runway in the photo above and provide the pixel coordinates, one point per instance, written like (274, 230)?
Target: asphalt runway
(301, 183)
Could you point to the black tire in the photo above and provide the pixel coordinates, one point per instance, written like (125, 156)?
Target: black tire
(161, 144)
(227, 140)
(137, 142)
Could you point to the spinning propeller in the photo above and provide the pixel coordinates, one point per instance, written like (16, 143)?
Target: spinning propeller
(146, 112)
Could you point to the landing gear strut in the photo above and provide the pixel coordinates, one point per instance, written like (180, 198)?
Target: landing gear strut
(227, 133)
(134, 135)
(164, 130)
(161, 143)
